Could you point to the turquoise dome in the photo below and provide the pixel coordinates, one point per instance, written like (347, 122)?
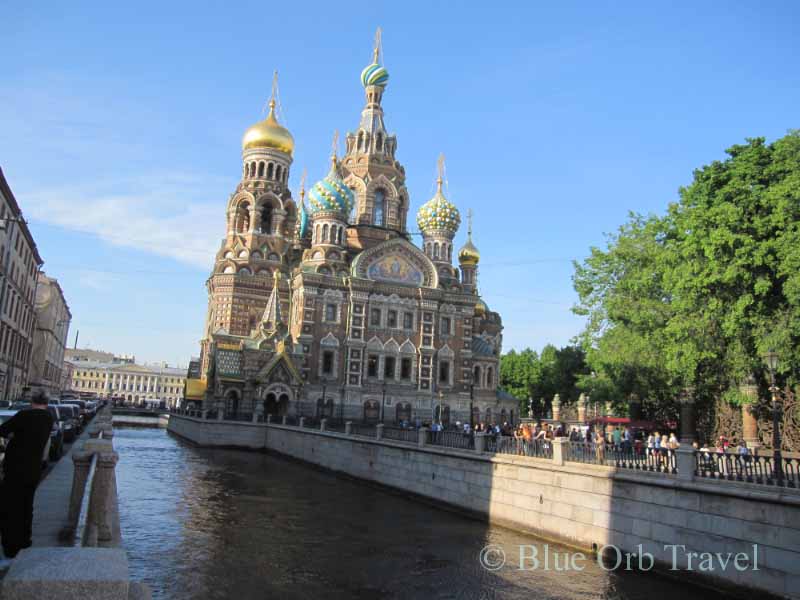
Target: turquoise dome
(438, 214)
(374, 74)
(331, 193)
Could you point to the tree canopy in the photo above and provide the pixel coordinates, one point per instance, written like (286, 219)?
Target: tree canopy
(698, 295)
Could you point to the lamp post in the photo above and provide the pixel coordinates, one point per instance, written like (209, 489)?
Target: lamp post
(383, 398)
(341, 404)
(324, 389)
(298, 388)
(441, 406)
(771, 359)
(471, 401)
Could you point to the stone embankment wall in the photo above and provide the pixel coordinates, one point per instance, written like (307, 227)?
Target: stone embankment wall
(586, 506)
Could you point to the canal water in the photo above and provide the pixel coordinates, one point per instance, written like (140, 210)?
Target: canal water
(204, 524)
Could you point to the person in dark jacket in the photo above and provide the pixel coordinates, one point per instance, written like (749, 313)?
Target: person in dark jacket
(29, 431)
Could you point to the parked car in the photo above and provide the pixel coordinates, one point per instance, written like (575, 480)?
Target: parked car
(5, 415)
(75, 413)
(81, 404)
(69, 424)
(56, 434)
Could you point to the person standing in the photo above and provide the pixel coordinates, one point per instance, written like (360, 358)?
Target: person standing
(29, 431)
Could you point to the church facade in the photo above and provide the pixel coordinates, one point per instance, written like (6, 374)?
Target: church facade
(322, 306)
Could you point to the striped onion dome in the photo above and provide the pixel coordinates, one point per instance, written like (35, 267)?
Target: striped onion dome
(374, 74)
(331, 193)
(302, 221)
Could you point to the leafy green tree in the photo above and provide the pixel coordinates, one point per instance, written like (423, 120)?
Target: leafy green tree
(696, 296)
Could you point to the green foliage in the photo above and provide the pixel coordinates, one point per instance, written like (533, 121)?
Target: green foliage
(528, 375)
(696, 296)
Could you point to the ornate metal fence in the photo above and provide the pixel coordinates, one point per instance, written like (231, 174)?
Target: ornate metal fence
(452, 439)
(399, 434)
(747, 468)
(623, 457)
(519, 446)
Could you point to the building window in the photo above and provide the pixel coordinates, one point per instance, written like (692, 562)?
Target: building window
(408, 320)
(375, 317)
(372, 366)
(327, 362)
(330, 313)
(444, 372)
(445, 325)
(405, 368)
(489, 377)
(391, 319)
(379, 208)
(388, 367)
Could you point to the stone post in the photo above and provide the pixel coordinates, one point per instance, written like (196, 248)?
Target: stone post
(204, 415)
(379, 431)
(94, 430)
(301, 422)
(582, 408)
(255, 417)
(348, 428)
(422, 438)
(220, 414)
(283, 421)
(480, 442)
(323, 424)
(82, 461)
(556, 408)
(268, 419)
(99, 527)
(684, 455)
(749, 389)
(559, 451)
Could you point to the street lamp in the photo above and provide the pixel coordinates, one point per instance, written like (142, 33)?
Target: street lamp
(383, 398)
(471, 401)
(324, 389)
(771, 360)
(297, 389)
(341, 404)
(441, 405)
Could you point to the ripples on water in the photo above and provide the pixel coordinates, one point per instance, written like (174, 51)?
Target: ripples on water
(204, 524)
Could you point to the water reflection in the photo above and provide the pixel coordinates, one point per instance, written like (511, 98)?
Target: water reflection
(202, 524)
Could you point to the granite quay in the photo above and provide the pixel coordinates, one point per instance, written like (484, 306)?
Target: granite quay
(589, 506)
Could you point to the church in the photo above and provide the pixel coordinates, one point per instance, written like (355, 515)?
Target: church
(322, 306)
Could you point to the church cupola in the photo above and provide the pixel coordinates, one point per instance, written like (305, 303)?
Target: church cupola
(438, 220)
(267, 149)
(468, 258)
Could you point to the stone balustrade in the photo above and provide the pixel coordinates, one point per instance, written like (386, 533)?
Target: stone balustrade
(96, 567)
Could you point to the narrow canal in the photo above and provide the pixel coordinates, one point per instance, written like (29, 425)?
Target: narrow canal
(202, 524)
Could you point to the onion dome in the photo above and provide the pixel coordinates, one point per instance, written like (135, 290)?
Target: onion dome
(481, 308)
(374, 74)
(269, 134)
(438, 213)
(469, 255)
(331, 194)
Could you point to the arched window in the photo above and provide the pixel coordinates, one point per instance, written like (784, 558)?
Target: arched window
(378, 210)
(266, 219)
(278, 173)
(253, 169)
(489, 377)
(379, 143)
(340, 235)
(476, 376)
(436, 250)
(317, 238)
(261, 169)
(243, 218)
(269, 170)
(325, 232)
(360, 141)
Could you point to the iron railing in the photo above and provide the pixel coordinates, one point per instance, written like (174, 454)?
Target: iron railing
(747, 468)
(399, 434)
(519, 446)
(661, 460)
(451, 439)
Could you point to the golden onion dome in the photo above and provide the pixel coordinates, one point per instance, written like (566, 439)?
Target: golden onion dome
(269, 134)
(480, 308)
(469, 255)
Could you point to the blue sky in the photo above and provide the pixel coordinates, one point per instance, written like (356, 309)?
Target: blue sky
(121, 123)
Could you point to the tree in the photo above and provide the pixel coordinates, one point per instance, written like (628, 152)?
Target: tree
(696, 296)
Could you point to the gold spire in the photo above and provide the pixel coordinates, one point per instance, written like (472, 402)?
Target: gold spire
(440, 178)
(377, 50)
(334, 147)
(269, 133)
(303, 184)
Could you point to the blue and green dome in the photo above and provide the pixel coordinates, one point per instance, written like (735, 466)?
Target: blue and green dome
(438, 214)
(374, 74)
(331, 193)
